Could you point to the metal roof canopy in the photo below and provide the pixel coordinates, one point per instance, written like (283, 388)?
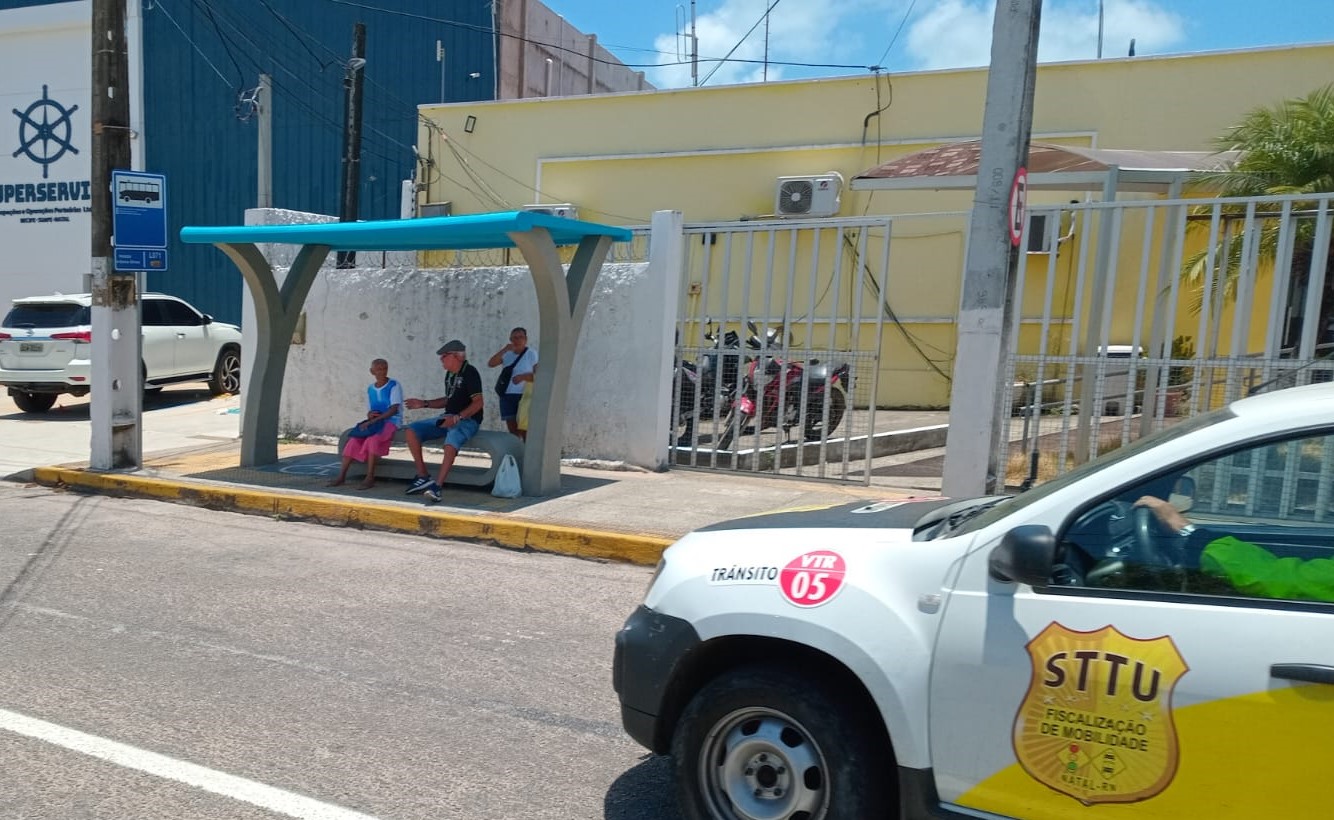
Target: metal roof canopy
(562, 301)
(1050, 167)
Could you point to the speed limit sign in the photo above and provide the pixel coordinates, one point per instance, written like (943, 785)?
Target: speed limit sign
(1018, 205)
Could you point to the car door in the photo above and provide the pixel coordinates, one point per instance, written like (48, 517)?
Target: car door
(195, 351)
(1143, 681)
(159, 347)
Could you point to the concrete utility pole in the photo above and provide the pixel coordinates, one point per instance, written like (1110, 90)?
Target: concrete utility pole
(264, 99)
(116, 406)
(352, 81)
(977, 424)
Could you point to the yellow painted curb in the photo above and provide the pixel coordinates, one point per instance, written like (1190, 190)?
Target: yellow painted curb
(514, 533)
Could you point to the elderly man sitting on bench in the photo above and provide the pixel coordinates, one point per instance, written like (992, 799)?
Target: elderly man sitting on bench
(462, 403)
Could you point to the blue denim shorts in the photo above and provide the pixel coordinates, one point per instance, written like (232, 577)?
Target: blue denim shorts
(456, 436)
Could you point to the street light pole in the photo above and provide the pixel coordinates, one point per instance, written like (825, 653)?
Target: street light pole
(440, 58)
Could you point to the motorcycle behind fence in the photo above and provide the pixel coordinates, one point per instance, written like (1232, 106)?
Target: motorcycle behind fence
(778, 392)
(706, 389)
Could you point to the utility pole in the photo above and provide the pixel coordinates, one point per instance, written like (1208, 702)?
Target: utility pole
(352, 82)
(264, 98)
(440, 58)
(976, 424)
(116, 405)
(1100, 19)
(694, 48)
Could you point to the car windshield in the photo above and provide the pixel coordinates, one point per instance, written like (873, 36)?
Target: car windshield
(52, 314)
(998, 511)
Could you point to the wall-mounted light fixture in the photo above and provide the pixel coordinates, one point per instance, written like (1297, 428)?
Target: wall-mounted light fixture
(469, 124)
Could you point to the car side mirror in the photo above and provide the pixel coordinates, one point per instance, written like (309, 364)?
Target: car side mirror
(1182, 497)
(208, 320)
(1025, 556)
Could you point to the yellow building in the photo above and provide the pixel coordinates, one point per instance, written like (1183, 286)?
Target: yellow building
(716, 155)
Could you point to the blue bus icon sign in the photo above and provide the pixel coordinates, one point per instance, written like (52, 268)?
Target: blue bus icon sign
(139, 221)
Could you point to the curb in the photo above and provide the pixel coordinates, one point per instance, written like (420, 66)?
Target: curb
(502, 532)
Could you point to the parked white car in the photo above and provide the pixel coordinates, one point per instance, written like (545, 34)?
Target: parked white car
(1150, 635)
(46, 348)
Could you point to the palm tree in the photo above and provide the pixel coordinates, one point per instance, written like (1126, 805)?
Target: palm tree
(1284, 150)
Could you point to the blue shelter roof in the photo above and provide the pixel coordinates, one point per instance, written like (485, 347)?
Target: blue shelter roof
(470, 232)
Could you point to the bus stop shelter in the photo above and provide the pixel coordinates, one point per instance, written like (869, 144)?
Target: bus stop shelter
(562, 300)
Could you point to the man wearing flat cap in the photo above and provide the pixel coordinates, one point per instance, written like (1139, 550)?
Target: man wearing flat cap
(462, 403)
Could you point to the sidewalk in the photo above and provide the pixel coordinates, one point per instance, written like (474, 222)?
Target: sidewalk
(600, 513)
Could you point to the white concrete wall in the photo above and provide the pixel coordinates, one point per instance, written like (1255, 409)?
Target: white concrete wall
(403, 314)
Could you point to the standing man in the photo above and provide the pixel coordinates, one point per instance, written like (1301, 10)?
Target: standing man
(518, 360)
(463, 415)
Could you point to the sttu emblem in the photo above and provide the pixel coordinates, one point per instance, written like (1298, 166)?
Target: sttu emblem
(1096, 723)
(46, 122)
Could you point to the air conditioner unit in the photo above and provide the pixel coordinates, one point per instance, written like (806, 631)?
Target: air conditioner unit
(564, 210)
(811, 196)
(1039, 239)
(436, 209)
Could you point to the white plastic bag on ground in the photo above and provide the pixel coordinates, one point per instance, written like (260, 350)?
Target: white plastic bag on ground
(507, 483)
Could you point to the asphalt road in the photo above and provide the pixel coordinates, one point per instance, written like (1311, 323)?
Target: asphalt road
(162, 661)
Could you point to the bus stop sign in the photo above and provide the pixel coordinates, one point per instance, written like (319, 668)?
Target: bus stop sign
(139, 221)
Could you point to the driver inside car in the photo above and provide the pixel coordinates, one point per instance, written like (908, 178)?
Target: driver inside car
(1249, 568)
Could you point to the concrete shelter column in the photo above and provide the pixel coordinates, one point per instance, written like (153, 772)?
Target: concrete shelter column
(277, 310)
(562, 302)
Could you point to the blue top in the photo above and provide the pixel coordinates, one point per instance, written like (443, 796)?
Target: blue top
(381, 399)
(470, 232)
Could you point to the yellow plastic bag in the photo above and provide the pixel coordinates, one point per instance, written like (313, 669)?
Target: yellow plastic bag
(524, 403)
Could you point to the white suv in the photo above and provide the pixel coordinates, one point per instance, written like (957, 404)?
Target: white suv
(46, 348)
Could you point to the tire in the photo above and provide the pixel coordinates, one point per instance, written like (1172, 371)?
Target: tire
(149, 389)
(815, 428)
(761, 742)
(33, 402)
(226, 376)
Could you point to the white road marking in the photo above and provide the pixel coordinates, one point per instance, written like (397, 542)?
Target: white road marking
(130, 757)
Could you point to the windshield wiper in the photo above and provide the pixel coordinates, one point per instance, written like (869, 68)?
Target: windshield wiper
(958, 519)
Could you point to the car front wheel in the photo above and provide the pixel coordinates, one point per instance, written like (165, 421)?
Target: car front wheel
(33, 402)
(226, 373)
(760, 742)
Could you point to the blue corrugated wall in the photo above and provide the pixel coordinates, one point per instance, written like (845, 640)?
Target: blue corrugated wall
(203, 59)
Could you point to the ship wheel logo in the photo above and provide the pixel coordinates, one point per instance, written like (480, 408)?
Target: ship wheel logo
(44, 131)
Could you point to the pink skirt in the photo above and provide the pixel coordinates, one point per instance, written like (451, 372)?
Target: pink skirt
(360, 449)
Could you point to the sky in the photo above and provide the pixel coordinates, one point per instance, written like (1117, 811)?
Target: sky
(819, 38)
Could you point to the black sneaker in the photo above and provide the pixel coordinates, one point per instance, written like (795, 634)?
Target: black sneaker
(419, 483)
(432, 492)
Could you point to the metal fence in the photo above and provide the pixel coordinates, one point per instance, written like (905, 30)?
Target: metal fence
(778, 346)
(1142, 313)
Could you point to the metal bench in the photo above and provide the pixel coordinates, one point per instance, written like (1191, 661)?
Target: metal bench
(493, 443)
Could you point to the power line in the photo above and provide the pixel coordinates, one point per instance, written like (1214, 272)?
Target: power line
(881, 62)
(192, 43)
(763, 17)
(583, 55)
(240, 78)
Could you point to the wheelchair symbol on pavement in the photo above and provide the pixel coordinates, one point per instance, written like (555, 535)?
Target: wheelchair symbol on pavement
(327, 468)
(53, 134)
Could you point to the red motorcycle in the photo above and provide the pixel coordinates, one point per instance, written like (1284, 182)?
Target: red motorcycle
(788, 386)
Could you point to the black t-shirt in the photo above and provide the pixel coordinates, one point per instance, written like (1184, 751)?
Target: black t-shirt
(463, 386)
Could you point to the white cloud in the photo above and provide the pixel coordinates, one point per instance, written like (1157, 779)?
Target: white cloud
(800, 31)
(939, 34)
(955, 33)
